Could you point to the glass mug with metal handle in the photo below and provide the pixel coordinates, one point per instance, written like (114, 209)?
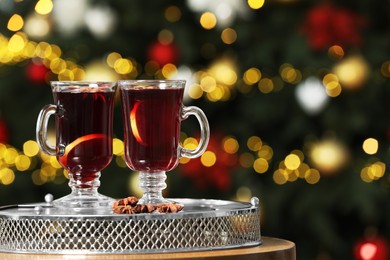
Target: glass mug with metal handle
(84, 131)
(152, 111)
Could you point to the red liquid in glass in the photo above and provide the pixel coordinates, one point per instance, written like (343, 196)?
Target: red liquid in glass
(152, 127)
(84, 127)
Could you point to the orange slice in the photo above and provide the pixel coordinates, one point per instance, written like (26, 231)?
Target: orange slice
(133, 124)
(91, 138)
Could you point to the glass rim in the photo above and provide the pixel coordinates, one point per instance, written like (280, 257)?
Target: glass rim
(151, 82)
(78, 86)
(81, 83)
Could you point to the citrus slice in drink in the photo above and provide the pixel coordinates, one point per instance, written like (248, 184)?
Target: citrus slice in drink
(136, 114)
(81, 145)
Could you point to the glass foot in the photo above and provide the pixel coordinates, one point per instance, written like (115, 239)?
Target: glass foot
(84, 196)
(79, 202)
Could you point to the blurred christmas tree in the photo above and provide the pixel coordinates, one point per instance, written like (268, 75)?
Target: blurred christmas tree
(295, 91)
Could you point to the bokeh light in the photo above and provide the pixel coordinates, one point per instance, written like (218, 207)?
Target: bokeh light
(30, 148)
(312, 176)
(385, 69)
(118, 147)
(352, 72)
(373, 171)
(37, 26)
(256, 4)
(254, 143)
(243, 193)
(332, 85)
(260, 165)
(15, 23)
(252, 76)
(229, 36)
(172, 14)
(208, 20)
(266, 85)
(370, 146)
(289, 74)
(328, 155)
(44, 7)
(165, 37)
(246, 160)
(208, 158)
(292, 162)
(230, 145)
(336, 52)
(123, 66)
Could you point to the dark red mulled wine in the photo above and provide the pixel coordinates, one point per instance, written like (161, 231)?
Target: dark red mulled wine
(84, 131)
(151, 118)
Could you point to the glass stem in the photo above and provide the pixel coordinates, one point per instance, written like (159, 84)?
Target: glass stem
(152, 184)
(80, 187)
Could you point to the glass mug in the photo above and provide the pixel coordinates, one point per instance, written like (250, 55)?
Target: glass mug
(84, 131)
(152, 111)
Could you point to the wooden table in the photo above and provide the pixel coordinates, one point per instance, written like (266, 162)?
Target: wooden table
(271, 249)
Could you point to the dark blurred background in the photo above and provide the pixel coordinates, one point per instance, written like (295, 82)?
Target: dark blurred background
(295, 92)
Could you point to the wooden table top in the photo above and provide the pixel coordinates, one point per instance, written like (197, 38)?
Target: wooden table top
(270, 249)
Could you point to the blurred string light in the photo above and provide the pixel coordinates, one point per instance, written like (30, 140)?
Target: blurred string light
(172, 14)
(263, 155)
(127, 67)
(229, 145)
(37, 26)
(208, 20)
(336, 52)
(64, 9)
(352, 72)
(15, 23)
(373, 171)
(328, 155)
(385, 69)
(370, 146)
(119, 151)
(97, 70)
(266, 85)
(224, 11)
(18, 48)
(44, 7)
(332, 85)
(229, 36)
(256, 4)
(216, 83)
(243, 193)
(311, 95)
(100, 20)
(289, 74)
(252, 76)
(293, 168)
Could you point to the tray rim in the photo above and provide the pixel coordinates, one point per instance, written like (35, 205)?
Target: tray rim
(42, 211)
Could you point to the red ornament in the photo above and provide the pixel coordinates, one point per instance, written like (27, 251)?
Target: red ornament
(218, 175)
(375, 248)
(36, 72)
(327, 25)
(3, 132)
(163, 53)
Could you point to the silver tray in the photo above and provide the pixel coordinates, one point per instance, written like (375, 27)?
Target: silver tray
(202, 225)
